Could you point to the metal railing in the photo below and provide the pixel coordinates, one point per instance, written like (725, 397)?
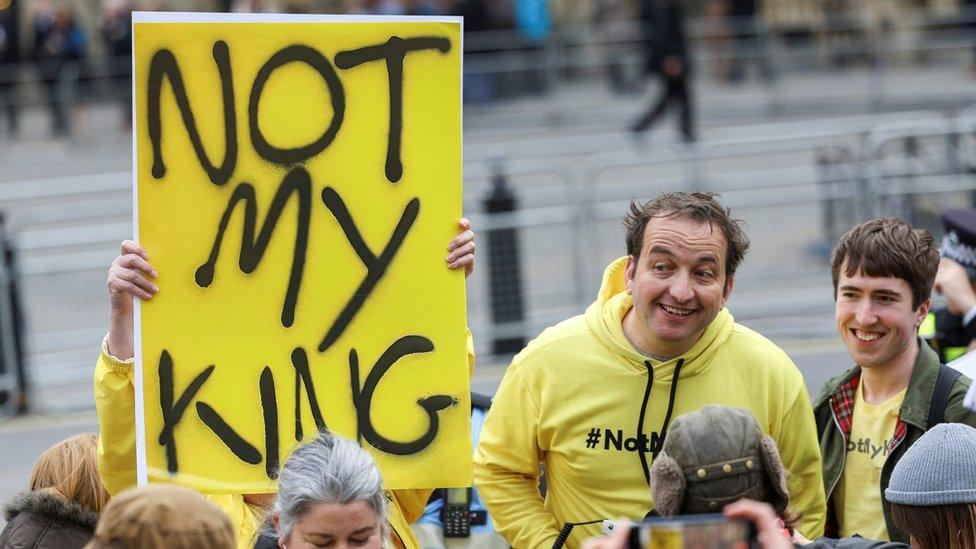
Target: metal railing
(794, 207)
(795, 184)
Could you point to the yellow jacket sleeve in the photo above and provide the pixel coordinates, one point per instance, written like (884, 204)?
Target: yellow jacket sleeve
(406, 506)
(801, 456)
(115, 402)
(506, 467)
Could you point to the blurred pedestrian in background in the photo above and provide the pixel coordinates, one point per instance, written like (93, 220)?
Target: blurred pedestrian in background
(254, 6)
(611, 19)
(429, 7)
(742, 21)
(59, 49)
(117, 36)
(667, 57)
(378, 7)
(9, 59)
(717, 37)
(162, 516)
(65, 496)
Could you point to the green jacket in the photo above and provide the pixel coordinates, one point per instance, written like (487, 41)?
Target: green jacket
(837, 396)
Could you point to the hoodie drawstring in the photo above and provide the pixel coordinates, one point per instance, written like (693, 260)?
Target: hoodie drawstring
(667, 416)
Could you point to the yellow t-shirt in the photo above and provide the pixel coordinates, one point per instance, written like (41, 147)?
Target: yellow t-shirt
(858, 496)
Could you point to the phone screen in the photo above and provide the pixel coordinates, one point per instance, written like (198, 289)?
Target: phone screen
(457, 495)
(695, 531)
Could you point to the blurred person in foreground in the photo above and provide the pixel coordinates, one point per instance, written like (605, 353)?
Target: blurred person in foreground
(330, 494)
(868, 417)
(717, 456)
(662, 22)
(951, 330)
(65, 496)
(932, 496)
(592, 397)
(162, 516)
(712, 458)
(130, 276)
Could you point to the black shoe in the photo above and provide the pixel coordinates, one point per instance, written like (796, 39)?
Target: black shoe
(640, 126)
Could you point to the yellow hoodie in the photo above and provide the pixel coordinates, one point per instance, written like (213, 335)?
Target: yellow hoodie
(572, 399)
(115, 402)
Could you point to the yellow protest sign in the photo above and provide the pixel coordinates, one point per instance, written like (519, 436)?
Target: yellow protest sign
(297, 180)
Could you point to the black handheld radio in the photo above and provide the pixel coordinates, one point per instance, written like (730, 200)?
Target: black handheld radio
(456, 512)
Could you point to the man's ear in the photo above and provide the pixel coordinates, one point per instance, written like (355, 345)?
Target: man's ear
(727, 290)
(922, 310)
(629, 273)
(275, 519)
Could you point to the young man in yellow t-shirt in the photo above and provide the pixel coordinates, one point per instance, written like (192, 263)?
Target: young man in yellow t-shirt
(883, 271)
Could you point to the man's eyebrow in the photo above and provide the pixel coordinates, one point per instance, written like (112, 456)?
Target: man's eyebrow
(888, 293)
(658, 249)
(849, 287)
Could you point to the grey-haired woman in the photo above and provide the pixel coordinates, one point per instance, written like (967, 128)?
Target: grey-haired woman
(330, 494)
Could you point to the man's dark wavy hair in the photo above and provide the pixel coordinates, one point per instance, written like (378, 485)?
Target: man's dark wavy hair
(885, 247)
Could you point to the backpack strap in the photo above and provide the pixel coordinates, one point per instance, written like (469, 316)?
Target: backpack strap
(940, 398)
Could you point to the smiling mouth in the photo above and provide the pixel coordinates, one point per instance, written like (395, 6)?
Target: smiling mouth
(866, 337)
(676, 311)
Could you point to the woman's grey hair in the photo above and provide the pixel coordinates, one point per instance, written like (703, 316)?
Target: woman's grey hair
(330, 469)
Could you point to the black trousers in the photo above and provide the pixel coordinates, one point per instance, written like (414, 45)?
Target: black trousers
(675, 93)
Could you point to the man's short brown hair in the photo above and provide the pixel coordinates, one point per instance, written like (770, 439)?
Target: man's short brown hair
(698, 206)
(888, 247)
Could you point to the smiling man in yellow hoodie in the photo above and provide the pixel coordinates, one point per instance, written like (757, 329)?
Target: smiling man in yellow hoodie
(592, 397)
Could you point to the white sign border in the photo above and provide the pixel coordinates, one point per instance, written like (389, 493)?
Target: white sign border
(202, 17)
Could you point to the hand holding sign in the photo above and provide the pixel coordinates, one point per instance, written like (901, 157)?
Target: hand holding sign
(461, 249)
(128, 277)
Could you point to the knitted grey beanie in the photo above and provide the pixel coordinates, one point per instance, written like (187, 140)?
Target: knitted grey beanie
(939, 469)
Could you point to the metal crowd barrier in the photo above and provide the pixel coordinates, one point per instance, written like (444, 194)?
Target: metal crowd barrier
(796, 185)
(65, 231)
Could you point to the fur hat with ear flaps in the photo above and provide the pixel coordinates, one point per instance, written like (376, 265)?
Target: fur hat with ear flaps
(713, 457)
